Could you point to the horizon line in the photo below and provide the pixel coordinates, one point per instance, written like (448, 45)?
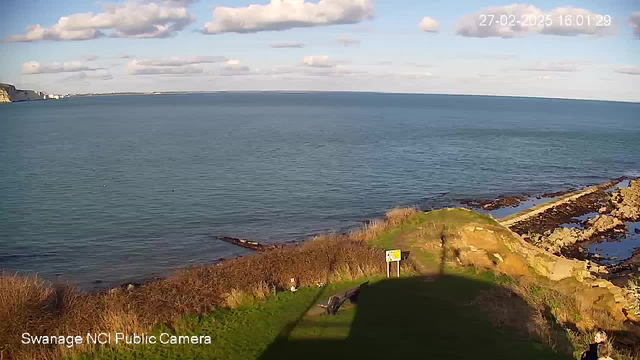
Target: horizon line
(168, 92)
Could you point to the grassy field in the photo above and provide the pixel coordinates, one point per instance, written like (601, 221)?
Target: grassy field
(437, 308)
(431, 313)
(241, 333)
(405, 317)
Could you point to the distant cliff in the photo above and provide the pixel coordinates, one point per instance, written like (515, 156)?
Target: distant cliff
(9, 93)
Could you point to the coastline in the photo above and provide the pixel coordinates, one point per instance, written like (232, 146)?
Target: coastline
(474, 247)
(502, 202)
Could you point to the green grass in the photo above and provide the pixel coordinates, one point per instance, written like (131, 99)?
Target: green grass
(451, 217)
(410, 317)
(405, 237)
(241, 333)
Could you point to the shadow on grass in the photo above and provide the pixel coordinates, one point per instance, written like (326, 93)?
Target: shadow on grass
(410, 318)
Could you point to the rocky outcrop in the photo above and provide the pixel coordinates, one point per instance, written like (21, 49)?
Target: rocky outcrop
(9, 93)
(564, 237)
(548, 216)
(627, 202)
(497, 248)
(4, 96)
(508, 253)
(500, 202)
(252, 245)
(633, 288)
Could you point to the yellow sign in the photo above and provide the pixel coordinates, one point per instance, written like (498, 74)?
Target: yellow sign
(393, 255)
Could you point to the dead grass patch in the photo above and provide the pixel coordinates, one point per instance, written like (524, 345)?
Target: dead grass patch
(30, 304)
(398, 216)
(551, 317)
(393, 218)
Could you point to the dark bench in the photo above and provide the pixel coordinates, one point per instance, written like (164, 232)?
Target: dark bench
(335, 301)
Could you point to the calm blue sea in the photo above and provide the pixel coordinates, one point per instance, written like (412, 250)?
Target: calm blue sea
(122, 188)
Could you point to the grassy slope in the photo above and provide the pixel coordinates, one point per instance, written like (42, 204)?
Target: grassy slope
(241, 333)
(409, 317)
(414, 316)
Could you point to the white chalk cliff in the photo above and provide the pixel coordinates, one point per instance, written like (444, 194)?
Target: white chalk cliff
(9, 93)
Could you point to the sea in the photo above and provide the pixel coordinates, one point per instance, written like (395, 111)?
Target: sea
(104, 190)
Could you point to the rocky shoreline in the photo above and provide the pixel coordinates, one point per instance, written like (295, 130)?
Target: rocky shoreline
(570, 226)
(597, 215)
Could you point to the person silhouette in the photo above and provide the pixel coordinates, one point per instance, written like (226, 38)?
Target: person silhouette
(599, 338)
(604, 351)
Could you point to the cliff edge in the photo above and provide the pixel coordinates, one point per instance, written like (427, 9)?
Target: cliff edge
(9, 93)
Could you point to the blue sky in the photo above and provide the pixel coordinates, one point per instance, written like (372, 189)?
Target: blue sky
(360, 45)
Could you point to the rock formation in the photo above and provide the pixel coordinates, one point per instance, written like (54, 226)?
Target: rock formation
(627, 202)
(4, 96)
(495, 247)
(563, 237)
(9, 93)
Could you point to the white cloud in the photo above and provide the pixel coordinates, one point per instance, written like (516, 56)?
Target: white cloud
(123, 56)
(91, 58)
(175, 65)
(289, 72)
(552, 66)
(507, 22)
(57, 32)
(127, 20)
(588, 27)
(419, 65)
(475, 57)
(326, 71)
(288, 14)
(184, 3)
(346, 41)
(136, 69)
(101, 74)
(429, 24)
(179, 61)
(319, 61)
(283, 45)
(409, 75)
(629, 70)
(34, 67)
(234, 67)
(634, 21)
(189, 66)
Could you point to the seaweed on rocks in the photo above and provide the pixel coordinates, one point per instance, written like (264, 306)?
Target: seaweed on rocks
(563, 214)
(499, 202)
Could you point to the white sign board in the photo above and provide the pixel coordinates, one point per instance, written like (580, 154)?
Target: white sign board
(393, 255)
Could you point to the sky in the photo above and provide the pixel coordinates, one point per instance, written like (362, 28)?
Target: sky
(574, 49)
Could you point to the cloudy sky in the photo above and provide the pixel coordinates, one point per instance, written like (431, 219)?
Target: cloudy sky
(361, 45)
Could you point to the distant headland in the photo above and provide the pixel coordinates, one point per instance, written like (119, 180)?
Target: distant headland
(9, 93)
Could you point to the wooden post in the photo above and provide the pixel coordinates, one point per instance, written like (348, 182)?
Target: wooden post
(388, 266)
(398, 268)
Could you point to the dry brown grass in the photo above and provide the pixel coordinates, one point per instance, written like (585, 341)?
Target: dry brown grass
(393, 218)
(29, 304)
(397, 216)
(551, 317)
(527, 313)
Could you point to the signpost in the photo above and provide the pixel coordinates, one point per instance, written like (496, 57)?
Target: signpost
(391, 256)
